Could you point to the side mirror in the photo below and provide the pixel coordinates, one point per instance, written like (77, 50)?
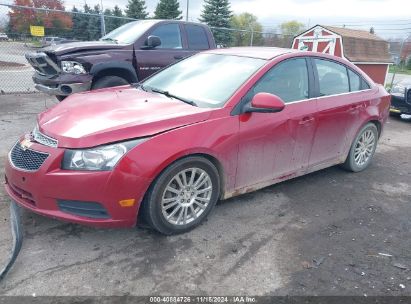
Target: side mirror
(152, 42)
(264, 103)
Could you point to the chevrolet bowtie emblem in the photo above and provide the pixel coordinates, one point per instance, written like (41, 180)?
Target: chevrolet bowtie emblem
(25, 144)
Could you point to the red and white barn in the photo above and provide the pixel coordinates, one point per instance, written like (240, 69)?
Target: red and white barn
(367, 51)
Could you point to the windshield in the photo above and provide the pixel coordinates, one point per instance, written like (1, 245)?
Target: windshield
(208, 80)
(129, 32)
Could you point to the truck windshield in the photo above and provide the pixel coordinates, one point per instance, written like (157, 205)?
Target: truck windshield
(129, 32)
(208, 80)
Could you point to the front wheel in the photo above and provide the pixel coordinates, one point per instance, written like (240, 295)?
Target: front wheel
(60, 97)
(182, 196)
(362, 149)
(108, 81)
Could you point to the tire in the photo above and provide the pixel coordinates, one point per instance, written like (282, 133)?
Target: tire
(364, 143)
(161, 203)
(108, 81)
(60, 97)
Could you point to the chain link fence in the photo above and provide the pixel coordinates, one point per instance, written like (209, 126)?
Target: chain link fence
(63, 26)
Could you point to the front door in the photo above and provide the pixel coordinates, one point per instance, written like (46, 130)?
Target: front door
(171, 49)
(272, 145)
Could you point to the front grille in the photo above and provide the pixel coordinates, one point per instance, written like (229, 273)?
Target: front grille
(43, 139)
(43, 64)
(26, 159)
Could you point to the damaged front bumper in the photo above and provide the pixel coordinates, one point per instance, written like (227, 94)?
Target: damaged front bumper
(62, 84)
(64, 89)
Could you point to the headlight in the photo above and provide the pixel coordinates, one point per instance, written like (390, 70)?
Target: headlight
(398, 90)
(101, 158)
(72, 67)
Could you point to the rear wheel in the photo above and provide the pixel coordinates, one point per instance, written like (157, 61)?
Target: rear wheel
(182, 196)
(108, 81)
(362, 149)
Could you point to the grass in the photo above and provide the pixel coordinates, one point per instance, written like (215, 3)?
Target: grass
(399, 70)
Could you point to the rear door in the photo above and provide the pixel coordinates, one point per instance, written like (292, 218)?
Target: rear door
(275, 145)
(338, 110)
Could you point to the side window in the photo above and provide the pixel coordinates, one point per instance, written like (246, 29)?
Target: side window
(197, 37)
(288, 80)
(332, 76)
(169, 34)
(355, 81)
(364, 85)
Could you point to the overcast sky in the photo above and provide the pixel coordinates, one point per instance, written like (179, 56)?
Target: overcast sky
(388, 17)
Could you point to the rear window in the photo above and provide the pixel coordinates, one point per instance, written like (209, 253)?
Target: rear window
(197, 37)
(364, 85)
(357, 83)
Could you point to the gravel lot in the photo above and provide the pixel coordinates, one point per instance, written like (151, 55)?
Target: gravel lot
(262, 243)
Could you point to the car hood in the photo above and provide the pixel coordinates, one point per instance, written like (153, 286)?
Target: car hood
(70, 47)
(109, 115)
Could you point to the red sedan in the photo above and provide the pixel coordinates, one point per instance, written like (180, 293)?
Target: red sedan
(213, 126)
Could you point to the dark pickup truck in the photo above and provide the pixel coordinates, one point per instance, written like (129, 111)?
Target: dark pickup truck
(128, 54)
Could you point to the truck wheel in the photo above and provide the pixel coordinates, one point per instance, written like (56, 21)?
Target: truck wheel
(60, 97)
(109, 81)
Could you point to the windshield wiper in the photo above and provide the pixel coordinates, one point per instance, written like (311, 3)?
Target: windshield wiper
(138, 85)
(168, 94)
(109, 39)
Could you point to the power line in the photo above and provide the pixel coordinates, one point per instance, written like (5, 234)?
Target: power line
(374, 21)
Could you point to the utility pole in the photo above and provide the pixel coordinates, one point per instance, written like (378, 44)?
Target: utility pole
(188, 3)
(250, 25)
(102, 21)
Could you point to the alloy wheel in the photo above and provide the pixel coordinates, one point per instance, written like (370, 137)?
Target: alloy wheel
(186, 196)
(364, 148)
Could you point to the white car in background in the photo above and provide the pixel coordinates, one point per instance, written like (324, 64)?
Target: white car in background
(3, 37)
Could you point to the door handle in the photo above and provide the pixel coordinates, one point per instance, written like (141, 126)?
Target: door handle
(178, 57)
(306, 120)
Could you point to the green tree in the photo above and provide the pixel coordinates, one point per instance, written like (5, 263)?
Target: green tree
(409, 63)
(77, 32)
(292, 28)
(246, 21)
(94, 24)
(113, 23)
(217, 13)
(168, 9)
(136, 9)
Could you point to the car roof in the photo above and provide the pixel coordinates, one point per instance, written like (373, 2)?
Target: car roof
(156, 21)
(265, 53)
